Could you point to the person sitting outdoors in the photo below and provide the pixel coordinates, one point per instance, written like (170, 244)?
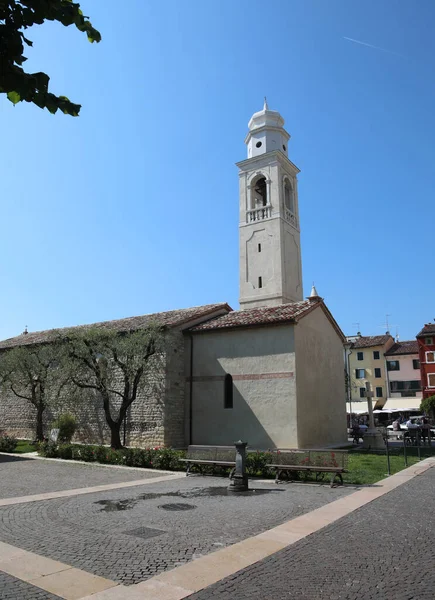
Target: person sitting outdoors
(396, 424)
(425, 430)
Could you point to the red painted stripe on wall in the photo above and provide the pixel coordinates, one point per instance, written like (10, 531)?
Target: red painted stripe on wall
(247, 377)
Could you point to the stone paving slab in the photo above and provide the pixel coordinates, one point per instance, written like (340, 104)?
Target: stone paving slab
(12, 588)
(126, 536)
(26, 476)
(381, 551)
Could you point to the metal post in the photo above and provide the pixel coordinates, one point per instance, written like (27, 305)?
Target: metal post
(418, 444)
(388, 453)
(404, 450)
(239, 482)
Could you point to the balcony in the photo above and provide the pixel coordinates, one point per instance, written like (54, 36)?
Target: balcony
(259, 214)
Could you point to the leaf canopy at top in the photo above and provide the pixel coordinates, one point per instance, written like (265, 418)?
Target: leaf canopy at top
(15, 17)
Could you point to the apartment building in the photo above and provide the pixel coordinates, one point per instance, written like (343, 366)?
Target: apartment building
(366, 363)
(426, 349)
(403, 375)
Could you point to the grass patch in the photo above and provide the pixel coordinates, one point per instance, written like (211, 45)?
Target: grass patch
(24, 446)
(366, 467)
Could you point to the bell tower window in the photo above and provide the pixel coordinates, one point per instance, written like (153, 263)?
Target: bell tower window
(259, 193)
(289, 199)
(289, 202)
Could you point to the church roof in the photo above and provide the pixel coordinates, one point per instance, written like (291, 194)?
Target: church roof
(367, 341)
(171, 318)
(408, 347)
(259, 316)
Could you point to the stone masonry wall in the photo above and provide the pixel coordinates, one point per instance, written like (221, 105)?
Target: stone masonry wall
(156, 418)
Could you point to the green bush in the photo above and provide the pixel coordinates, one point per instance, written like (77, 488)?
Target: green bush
(256, 463)
(47, 449)
(428, 406)
(7, 443)
(67, 425)
(65, 451)
(85, 453)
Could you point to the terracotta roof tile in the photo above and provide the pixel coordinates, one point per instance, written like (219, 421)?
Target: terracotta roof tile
(171, 318)
(428, 328)
(259, 316)
(408, 347)
(367, 341)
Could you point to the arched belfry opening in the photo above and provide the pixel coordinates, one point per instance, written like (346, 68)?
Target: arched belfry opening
(289, 197)
(259, 193)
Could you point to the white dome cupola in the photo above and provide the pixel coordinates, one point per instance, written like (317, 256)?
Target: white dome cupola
(266, 133)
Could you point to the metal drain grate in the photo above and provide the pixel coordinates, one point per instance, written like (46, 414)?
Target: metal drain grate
(177, 506)
(145, 532)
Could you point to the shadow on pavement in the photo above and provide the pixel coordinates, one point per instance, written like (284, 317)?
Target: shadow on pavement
(8, 458)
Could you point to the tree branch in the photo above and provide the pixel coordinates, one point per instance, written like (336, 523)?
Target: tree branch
(19, 395)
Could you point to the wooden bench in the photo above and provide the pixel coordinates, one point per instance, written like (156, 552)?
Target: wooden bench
(318, 461)
(216, 456)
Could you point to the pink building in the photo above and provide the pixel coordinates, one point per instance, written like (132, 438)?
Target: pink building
(403, 374)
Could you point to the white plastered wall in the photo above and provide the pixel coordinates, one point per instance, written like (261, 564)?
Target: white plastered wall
(261, 361)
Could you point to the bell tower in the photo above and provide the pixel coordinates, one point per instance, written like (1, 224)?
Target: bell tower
(269, 234)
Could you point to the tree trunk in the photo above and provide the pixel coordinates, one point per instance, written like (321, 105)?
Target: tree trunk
(39, 423)
(115, 439)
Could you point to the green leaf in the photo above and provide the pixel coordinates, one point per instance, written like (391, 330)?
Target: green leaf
(14, 97)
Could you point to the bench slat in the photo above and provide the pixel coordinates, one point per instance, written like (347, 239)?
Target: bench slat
(309, 468)
(208, 462)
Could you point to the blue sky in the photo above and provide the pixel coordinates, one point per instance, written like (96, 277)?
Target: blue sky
(133, 207)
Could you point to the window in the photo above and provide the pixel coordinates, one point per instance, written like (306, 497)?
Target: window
(399, 386)
(393, 365)
(378, 392)
(362, 392)
(259, 193)
(259, 247)
(289, 199)
(378, 372)
(430, 357)
(431, 380)
(228, 391)
(258, 144)
(260, 282)
(428, 341)
(360, 373)
(408, 394)
(376, 354)
(360, 355)
(415, 363)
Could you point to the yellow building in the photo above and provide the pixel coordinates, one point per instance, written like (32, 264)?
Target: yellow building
(366, 363)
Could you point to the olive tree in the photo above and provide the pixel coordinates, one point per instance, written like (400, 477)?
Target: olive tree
(118, 366)
(30, 373)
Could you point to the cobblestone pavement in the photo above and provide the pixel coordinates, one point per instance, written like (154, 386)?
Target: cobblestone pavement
(26, 476)
(15, 589)
(125, 535)
(383, 551)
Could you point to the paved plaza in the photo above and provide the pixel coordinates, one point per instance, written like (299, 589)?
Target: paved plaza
(150, 535)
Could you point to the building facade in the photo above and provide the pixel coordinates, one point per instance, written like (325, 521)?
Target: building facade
(426, 350)
(403, 372)
(366, 364)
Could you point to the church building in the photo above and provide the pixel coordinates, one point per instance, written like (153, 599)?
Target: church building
(271, 373)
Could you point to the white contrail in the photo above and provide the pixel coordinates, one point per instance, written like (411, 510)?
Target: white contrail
(371, 46)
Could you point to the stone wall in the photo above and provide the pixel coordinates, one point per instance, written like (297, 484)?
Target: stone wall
(156, 418)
